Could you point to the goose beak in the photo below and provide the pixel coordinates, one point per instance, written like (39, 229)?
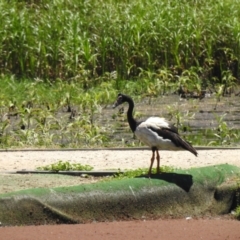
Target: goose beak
(115, 104)
(118, 102)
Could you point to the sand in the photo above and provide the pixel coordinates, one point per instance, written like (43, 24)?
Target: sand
(115, 159)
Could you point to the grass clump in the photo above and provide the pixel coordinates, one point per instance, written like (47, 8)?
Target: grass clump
(139, 172)
(65, 166)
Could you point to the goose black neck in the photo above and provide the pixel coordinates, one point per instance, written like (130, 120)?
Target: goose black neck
(132, 122)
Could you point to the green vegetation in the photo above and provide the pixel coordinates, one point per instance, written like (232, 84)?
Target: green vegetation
(63, 62)
(42, 114)
(91, 41)
(138, 173)
(66, 166)
(34, 113)
(221, 135)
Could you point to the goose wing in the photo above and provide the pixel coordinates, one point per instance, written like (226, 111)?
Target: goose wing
(160, 132)
(164, 129)
(161, 123)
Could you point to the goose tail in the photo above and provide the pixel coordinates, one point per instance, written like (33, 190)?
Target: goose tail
(186, 145)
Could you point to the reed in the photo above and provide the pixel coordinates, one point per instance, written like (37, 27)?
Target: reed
(85, 40)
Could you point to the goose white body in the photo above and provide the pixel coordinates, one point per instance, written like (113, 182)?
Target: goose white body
(151, 138)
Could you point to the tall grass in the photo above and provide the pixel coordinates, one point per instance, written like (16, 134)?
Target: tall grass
(85, 40)
(63, 114)
(34, 113)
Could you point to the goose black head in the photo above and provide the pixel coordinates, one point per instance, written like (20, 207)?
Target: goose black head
(120, 100)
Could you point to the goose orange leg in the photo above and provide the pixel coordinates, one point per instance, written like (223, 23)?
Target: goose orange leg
(152, 160)
(158, 162)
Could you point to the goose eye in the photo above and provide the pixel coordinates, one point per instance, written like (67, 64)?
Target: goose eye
(120, 99)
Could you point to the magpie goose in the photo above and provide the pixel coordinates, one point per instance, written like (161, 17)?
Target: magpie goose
(155, 132)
